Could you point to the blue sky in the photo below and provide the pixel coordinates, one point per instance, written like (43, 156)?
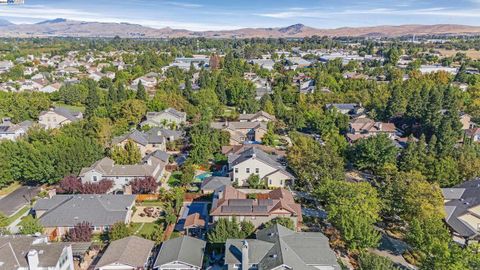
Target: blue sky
(233, 14)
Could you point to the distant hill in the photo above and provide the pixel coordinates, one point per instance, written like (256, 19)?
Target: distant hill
(67, 28)
(5, 23)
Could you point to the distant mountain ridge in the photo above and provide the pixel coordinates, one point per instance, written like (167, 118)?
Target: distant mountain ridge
(67, 28)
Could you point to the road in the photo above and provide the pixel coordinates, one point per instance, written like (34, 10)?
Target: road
(14, 201)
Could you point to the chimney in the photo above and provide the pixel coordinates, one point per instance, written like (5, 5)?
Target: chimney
(245, 262)
(32, 258)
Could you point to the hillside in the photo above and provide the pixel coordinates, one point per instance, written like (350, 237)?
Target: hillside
(68, 28)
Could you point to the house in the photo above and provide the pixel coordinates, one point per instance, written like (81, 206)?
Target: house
(229, 202)
(210, 184)
(277, 247)
(242, 132)
(350, 109)
(270, 168)
(364, 127)
(165, 118)
(466, 121)
(425, 69)
(147, 82)
(263, 63)
(147, 142)
(5, 66)
(462, 208)
(473, 134)
(184, 253)
(51, 88)
(27, 252)
(58, 117)
(129, 253)
(260, 116)
(262, 85)
(152, 165)
(62, 212)
(10, 131)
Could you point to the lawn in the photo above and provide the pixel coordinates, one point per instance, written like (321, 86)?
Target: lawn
(146, 229)
(70, 107)
(19, 213)
(11, 188)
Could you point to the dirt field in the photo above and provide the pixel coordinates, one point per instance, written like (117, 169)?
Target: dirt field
(470, 53)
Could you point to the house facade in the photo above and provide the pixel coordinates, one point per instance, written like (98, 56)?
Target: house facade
(10, 131)
(147, 142)
(268, 167)
(58, 117)
(152, 165)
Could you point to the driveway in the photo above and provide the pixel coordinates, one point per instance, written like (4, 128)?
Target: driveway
(22, 196)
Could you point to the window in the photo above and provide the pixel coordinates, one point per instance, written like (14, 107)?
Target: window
(257, 170)
(95, 178)
(281, 182)
(236, 170)
(247, 170)
(269, 181)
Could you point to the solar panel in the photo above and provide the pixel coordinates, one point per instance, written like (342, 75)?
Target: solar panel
(265, 202)
(240, 202)
(237, 209)
(259, 209)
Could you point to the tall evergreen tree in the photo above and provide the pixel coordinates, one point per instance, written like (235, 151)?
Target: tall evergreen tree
(141, 93)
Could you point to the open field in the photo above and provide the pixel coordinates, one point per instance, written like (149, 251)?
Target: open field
(474, 54)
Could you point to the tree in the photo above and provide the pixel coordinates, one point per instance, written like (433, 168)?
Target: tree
(373, 153)
(30, 225)
(141, 93)
(102, 187)
(188, 173)
(82, 232)
(371, 261)
(156, 235)
(119, 230)
(247, 227)
(313, 163)
(353, 208)
(284, 221)
(225, 229)
(170, 217)
(254, 181)
(129, 154)
(70, 184)
(144, 185)
(93, 100)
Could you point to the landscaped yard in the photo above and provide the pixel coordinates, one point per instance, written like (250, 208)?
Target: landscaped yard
(22, 211)
(7, 190)
(70, 107)
(174, 179)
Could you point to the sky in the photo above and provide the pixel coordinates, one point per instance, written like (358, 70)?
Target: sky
(200, 15)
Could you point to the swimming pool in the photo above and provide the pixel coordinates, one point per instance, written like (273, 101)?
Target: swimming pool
(202, 176)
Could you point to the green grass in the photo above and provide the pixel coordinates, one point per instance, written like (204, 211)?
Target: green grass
(22, 211)
(147, 228)
(11, 188)
(70, 107)
(151, 203)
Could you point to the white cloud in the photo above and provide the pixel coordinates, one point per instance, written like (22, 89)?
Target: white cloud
(35, 13)
(185, 5)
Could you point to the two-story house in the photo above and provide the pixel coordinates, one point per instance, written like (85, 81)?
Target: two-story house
(148, 141)
(242, 132)
(270, 168)
(10, 131)
(58, 117)
(364, 127)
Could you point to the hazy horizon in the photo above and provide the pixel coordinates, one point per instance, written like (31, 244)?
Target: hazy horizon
(228, 15)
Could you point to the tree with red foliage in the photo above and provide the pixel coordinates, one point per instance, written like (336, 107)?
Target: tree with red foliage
(82, 232)
(144, 185)
(73, 185)
(102, 187)
(70, 185)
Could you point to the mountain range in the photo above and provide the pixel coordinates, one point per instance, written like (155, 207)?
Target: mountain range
(69, 28)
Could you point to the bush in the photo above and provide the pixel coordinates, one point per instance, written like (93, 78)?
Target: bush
(73, 185)
(145, 185)
(82, 232)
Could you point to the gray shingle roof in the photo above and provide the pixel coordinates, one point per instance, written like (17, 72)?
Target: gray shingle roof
(133, 251)
(214, 182)
(277, 245)
(461, 199)
(14, 249)
(257, 153)
(98, 210)
(184, 249)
